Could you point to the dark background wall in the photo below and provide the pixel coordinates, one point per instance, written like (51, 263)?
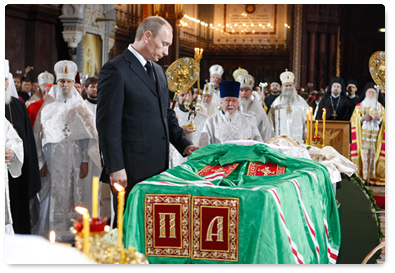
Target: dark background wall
(33, 36)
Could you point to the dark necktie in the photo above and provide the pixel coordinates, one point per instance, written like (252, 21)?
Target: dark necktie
(150, 71)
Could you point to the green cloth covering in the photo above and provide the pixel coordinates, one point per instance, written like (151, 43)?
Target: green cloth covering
(262, 236)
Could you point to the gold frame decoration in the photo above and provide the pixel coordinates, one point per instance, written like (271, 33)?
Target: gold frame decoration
(93, 47)
(155, 200)
(230, 234)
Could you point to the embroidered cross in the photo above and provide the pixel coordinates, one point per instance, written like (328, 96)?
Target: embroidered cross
(266, 171)
(66, 130)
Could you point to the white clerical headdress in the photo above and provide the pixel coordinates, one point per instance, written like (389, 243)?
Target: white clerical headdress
(246, 81)
(238, 72)
(208, 89)
(44, 78)
(8, 75)
(65, 70)
(216, 69)
(287, 77)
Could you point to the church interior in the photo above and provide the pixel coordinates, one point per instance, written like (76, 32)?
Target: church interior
(316, 43)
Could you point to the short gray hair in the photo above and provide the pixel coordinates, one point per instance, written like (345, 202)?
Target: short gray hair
(153, 24)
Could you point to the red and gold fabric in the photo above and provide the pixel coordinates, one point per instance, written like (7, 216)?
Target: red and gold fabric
(368, 144)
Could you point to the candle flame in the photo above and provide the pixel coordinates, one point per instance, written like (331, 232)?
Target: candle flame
(52, 236)
(323, 109)
(118, 187)
(81, 210)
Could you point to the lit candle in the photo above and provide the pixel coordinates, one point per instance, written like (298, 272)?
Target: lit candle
(323, 126)
(95, 195)
(85, 228)
(268, 32)
(316, 128)
(311, 125)
(52, 237)
(286, 26)
(121, 202)
(308, 129)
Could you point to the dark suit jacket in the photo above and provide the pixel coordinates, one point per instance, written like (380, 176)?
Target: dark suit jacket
(134, 121)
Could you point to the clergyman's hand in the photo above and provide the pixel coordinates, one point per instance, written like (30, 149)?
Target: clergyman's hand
(366, 117)
(9, 154)
(83, 169)
(188, 150)
(43, 171)
(119, 177)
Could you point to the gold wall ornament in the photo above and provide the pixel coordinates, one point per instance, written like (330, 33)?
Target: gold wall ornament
(377, 68)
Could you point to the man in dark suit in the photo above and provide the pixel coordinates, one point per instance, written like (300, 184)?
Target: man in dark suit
(134, 121)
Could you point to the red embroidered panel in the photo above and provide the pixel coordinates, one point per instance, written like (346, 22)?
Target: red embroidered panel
(215, 228)
(260, 169)
(167, 225)
(228, 169)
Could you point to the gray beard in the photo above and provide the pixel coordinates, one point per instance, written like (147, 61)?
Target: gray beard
(230, 116)
(7, 98)
(207, 104)
(370, 102)
(244, 103)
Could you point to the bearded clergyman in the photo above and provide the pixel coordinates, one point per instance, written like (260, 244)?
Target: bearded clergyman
(229, 124)
(288, 112)
(216, 72)
(66, 140)
(207, 99)
(368, 136)
(249, 104)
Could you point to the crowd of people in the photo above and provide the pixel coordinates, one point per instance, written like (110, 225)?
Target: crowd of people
(55, 126)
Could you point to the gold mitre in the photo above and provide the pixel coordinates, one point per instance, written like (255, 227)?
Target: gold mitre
(45, 78)
(65, 70)
(238, 72)
(246, 81)
(208, 89)
(287, 77)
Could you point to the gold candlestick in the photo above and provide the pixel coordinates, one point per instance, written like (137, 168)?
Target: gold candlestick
(323, 126)
(308, 129)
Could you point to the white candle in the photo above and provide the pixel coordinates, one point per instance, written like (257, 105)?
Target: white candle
(85, 228)
(121, 202)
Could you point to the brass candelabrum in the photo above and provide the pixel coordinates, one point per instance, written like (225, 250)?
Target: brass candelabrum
(102, 244)
(195, 105)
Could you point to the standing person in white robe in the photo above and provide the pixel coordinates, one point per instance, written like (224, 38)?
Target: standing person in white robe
(13, 165)
(288, 111)
(66, 140)
(249, 104)
(216, 72)
(43, 79)
(184, 119)
(229, 123)
(207, 100)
